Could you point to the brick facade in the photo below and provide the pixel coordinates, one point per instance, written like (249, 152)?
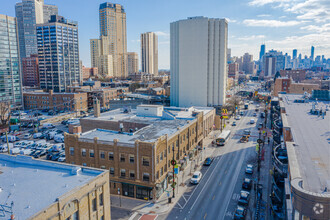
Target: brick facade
(55, 101)
(147, 165)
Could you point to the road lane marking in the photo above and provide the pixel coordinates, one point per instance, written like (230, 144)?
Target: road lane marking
(179, 204)
(184, 198)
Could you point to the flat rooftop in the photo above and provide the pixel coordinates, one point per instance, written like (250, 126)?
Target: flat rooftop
(311, 135)
(33, 185)
(154, 126)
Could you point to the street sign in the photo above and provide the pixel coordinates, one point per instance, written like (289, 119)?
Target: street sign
(118, 191)
(176, 169)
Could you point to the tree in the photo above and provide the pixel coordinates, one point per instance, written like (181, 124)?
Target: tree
(4, 113)
(232, 103)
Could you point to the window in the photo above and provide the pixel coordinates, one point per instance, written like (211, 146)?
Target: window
(146, 177)
(110, 155)
(122, 173)
(157, 175)
(157, 160)
(161, 172)
(101, 199)
(169, 149)
(83, 152)
(161, 156)
(145, 161)
(122, 158)
(94, 204)
(132, 174)
(112, 170)
(71, 151)
(91, 153)
(131, 158)
(102, 155)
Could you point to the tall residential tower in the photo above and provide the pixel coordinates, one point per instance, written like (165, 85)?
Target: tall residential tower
(149, 53)
(10, 80)
(112, 45)
(198, 61)
(132, 62)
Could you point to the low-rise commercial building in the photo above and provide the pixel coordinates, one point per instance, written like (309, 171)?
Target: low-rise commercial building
(55, 101)
(306, 141)
(296, 75)
(285, 84)
(89, 72)
(137, 146)
(38, 189)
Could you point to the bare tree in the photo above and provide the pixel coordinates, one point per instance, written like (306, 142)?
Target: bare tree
(232, 103)
(4, 113)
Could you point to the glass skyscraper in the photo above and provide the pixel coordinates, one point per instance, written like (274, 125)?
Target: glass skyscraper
(29, 13)
(58, 54)
(10, 81)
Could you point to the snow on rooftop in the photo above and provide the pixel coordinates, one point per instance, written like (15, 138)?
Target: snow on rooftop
(311, 134)
(32, 185)
(155, 126)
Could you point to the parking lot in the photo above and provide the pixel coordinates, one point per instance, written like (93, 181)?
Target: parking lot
(30, 138)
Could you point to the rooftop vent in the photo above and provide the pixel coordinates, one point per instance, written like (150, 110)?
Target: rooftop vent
(75, 170)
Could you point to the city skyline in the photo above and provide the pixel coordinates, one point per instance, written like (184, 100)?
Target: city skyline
(266, 21)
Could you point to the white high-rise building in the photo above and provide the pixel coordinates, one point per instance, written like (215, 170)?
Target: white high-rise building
(198, 62)
(149, 53)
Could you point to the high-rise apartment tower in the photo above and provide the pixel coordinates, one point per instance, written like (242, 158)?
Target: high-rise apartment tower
(198, 62)
(149, 53)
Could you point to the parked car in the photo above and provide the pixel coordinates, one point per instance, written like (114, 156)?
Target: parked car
(254, 114)
(39, 154)
(247, 132)
(27, 136)
(240, 213)
(234, 123)
(56, 156)
(4, 147)
(208, 161)
(197, 176)
(249, 169)
(59, 138)
(61, 158)
(244, 198)
(247, 184)
(37, 135)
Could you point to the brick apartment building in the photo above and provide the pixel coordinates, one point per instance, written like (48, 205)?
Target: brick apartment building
(286, 85)
(137, 147)
(55, 101)
(89, 72)
(30, 70)
(296, 75)
(102, 94)
(233, 69)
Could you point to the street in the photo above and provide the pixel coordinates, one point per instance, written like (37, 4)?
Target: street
(216, 196)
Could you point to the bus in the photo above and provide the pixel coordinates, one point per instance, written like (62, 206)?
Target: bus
(221, 139)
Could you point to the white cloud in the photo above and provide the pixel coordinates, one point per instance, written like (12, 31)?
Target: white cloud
(263, 15)
(265, 2)
(252, 37)
(162, 33)
(231, 20)
(315, 28)
(269, 23)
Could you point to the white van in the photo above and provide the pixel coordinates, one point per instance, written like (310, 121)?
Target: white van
(4, 147)
(252, 121)
(48, 125)
(15, 150)
(59, 138)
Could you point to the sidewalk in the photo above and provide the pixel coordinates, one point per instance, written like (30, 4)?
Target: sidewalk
(161, 206)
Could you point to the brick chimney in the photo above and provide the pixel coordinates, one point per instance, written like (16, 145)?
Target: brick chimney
(97, 110)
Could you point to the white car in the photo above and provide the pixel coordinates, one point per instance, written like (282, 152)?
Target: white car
(27, 136)
(238, 117)
(37, 135)
(197, 176)
(61, 158)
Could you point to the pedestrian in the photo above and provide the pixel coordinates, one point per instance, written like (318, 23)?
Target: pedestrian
(268, 140)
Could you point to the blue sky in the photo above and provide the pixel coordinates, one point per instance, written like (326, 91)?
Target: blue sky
(281, 24)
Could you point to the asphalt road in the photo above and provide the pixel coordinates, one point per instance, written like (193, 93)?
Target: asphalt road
(216, 196)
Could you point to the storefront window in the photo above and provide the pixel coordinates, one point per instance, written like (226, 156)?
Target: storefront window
(128, 190)
(143, 193)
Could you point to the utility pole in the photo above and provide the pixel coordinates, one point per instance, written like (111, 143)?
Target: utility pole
(173, 181)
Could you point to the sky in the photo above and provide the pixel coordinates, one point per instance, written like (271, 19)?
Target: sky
(281, 24)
